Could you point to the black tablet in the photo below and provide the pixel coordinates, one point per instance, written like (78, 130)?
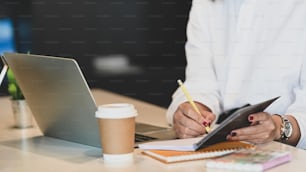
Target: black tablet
(238, 119)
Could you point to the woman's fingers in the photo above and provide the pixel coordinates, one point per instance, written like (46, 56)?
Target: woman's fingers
(261, 130)
(189, 112)
(189, 123)
(186, 127)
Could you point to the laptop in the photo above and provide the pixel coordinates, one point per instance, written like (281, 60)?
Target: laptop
(61, 101)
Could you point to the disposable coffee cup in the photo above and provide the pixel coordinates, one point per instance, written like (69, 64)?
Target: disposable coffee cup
(117, 131)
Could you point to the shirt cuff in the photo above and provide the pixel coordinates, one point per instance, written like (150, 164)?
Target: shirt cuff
(300, 118)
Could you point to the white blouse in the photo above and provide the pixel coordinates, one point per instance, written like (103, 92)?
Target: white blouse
(247, 51)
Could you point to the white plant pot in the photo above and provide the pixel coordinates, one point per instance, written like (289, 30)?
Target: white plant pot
(22, 114)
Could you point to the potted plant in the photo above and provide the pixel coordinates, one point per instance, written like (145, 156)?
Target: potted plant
(22, 114)
(13, 88)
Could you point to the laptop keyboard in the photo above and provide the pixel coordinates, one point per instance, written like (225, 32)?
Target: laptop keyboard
(143, 138)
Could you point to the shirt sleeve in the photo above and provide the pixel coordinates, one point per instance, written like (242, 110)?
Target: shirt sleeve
(201, 79)
(298, 108)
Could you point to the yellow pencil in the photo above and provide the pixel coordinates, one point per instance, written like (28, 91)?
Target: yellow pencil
(189, 98)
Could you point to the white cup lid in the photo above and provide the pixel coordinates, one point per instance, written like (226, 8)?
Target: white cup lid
(116, 111)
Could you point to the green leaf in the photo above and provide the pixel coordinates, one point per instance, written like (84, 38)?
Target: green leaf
(13, 87)
(10, 76)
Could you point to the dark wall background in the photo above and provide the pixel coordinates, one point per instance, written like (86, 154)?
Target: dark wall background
(150, 33)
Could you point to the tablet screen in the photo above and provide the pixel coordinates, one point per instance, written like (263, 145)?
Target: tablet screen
(238, 119)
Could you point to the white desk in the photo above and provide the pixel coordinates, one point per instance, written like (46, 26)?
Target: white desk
(27, 150)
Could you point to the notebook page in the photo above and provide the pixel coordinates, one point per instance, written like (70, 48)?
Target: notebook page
(176, 144)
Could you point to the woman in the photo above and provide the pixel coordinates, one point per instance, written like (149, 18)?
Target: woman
(245, 51)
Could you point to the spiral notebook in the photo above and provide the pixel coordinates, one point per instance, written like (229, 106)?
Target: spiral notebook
(216, 150)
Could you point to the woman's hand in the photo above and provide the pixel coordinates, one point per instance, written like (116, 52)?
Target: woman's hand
(188, 123)
(262, 129)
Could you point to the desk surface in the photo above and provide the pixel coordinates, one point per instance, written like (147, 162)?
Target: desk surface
(27, 150)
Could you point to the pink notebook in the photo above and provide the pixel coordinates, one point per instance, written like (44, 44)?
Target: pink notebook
(250, 160)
